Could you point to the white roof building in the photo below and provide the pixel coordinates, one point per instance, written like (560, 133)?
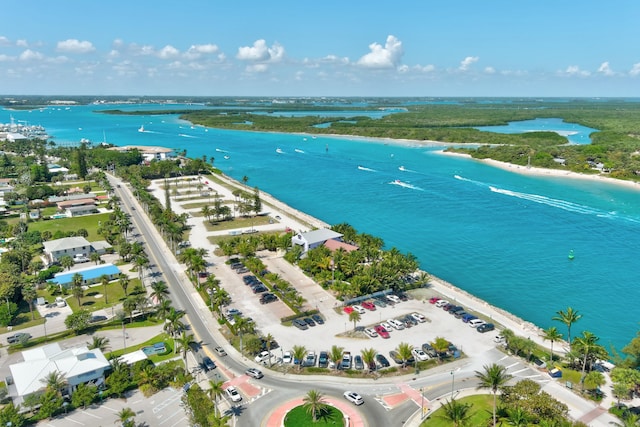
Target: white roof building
(78, 365)
(312, 239)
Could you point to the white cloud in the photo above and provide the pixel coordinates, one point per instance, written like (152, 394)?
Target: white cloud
(387, 56)
(4, 41)
(113, 53)
(489, 70)
(168, 52)
(635, 70)
(257, 68)
(467, 62)
(6, 58)
(75, 46)
(22, 43)
(260, 52)
(196, 51)
(606, 69)
(29, 55)
(574, 70)
(299, 75)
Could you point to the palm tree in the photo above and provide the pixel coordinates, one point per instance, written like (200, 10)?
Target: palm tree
(124, 282)
(55, 381)
(215, 391)
(29, 294)
(163, 309)
(184, 343)
(569, 317)
(336, 355)
(298, 352)
(159, 291)
(493, 377)
(517, 417)
(404, 352)
(440, 345)
(104, 279)
(314, 404)
(173, 325)
(629, 420)
(369, 356)
(98, 342)
(125, 417)
(268, 340)
(586, 345)
(456, 412)
(594, 380)
(552, 334)
(76, 287)
(354, 317)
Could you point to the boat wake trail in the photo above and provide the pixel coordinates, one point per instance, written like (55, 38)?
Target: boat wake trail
(184, 135)
(482, 184)
(297, 150)
(362, 168)
(405, 185)
(220, 150)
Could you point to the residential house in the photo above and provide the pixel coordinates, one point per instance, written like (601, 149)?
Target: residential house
(315, 238)
(77, 365)
(71, 246)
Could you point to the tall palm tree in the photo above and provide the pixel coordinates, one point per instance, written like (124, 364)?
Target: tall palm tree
(456, 412)
(552, 334)
(268, 340)
(517, 417)
(336, 355)
(354, 317)
(101, 343)
(55, 381)
(215, 391)
(124, 282)
(29, 294)
(298, 352)
(586, 345)
(173, 324)
(184, 343)
(104, 279)
(568, 317)
(76, 287)
(159, 291)
(314, 404)
(630, 420)
(404, 352)
(493, 377)
(369, 356)
(163, 309)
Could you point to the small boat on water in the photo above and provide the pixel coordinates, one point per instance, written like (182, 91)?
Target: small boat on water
(402, 168)
(279, 151)
(141, 129)
(297, 150)
(227, 157)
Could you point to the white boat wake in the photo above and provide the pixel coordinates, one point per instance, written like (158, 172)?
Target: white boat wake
(220, 150)
(362, 168)
(184, 135)
(405, 185)
(297, 150)
(279, 151)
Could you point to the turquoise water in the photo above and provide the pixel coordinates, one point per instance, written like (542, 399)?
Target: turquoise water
(501, 236)
(575, 133)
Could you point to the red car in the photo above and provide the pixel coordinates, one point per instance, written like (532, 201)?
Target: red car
(369, 306)
(348, 309)
(433, 300)
(382, 331)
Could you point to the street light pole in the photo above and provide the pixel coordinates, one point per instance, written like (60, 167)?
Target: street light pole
(453, 379)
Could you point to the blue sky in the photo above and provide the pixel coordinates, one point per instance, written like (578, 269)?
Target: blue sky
(329, 48)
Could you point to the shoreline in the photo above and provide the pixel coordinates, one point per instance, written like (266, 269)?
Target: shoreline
(544, 172)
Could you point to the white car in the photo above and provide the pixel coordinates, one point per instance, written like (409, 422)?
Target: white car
(287, 357)
(441, 302)
(60, 302)
(419, 317)
(371, 332)
(396, 324)
(360, 309)
(233, 394)
(419, 354)
(386, 326)
(262, 357)
(476, 322)
(394, 299)
(353, 397)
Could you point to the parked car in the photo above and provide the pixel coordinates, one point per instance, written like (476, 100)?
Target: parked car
(18, 337)
(486, 327)
(95, 319)
(386, 326)
(382, 331)
(396, 324)
(318, 319)
(476, 322)
(309, 321)
(287, 357)
(262, 357)
(255, 373)
(460, 314)
(323, 359)
(242, 270)
(359, 309)
(233, 312)
(448, 306)
(419, 317)
(441, 302)
(393, 299)
(369, 306)
(346, 361)
(382, 361)
(208, 364)
(428, 348)
(310, 360)
(60, 302)
(380, 302)
(300, 324)
(348, 309)
(258, 289)
(395, 357)
(357, 362)
(371, 332)
(220, 351)
(456, 309)
(419, 354)
(267, 298)
(353, 397)
(434, 300)
(233, 394)
(468, 317)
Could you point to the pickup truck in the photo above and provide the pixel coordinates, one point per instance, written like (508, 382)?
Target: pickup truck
(346, 360)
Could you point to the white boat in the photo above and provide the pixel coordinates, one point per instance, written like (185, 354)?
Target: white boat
(297, 150)
(141, 129)
(402, 168)
(279, 151)
(227, 157)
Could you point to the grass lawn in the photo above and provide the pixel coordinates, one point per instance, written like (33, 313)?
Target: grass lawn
(156, 358)
(23, 318)
(238, 222)
(298, 417)
(91, 301)
(88, 222)
(481, 412)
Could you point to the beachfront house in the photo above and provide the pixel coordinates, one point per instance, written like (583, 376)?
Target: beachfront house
(77, 365)
(315, 238)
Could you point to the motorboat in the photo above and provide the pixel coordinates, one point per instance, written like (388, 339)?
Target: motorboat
(279, 151)
(141, 129)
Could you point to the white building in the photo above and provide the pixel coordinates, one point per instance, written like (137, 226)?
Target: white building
(315, 238)
(78, 365)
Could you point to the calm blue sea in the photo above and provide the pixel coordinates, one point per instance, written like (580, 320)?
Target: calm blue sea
(501, 236)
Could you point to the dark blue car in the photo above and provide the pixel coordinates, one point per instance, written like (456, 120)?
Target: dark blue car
(468, 317)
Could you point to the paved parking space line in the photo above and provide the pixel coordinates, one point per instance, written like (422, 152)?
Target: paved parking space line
(91, 415)
(517, 372)
(169, 417)
(512, 365)
(159, 407)
(111, 409)
(180, 422)
(73, 421)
